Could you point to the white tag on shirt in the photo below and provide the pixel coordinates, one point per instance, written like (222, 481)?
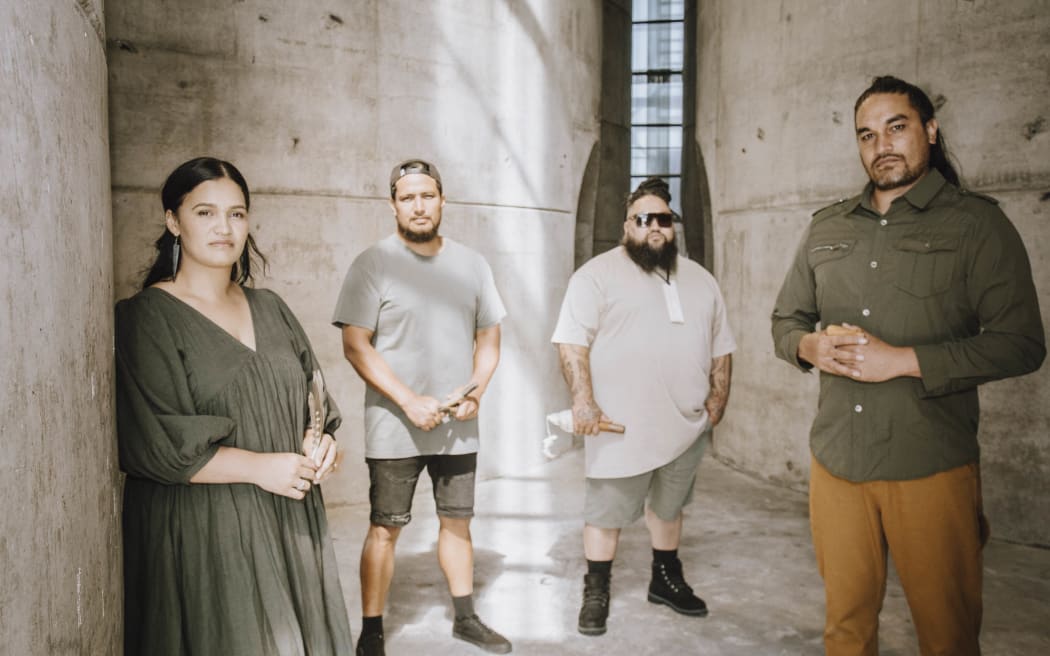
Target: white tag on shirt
(674, 304)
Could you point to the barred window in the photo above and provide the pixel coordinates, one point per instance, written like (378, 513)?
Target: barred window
(657, 49)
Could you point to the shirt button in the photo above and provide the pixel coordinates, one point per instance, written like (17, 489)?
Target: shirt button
(883, 222)
(874, 264)
(858, 408)
(866, 312)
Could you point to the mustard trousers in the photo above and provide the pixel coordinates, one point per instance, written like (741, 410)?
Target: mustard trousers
(934, 529)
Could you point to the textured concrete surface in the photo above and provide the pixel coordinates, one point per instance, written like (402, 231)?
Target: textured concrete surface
(777, 83)
(746, 550)
(60, 589)
(315, 104)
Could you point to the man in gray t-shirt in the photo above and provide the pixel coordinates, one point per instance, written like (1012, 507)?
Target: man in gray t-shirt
(420, 317)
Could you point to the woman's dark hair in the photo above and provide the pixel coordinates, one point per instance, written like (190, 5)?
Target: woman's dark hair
(650, 187)
(920, 102)
(179, 184)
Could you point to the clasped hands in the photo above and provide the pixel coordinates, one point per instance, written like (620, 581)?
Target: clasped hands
(855, 353)
(426, 412)
(293, 474)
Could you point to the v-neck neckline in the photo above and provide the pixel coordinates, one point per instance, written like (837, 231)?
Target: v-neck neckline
(213, 323)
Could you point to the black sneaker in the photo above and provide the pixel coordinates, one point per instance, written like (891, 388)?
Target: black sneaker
(471, 629)
(669, 588)
(595, 608)
(371, 645)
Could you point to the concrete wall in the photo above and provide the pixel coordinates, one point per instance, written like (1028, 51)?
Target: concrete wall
(777, 83)
(315, 102)
(60, 526)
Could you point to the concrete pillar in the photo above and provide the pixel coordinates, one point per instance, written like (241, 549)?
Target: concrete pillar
(60, 527)
(316, 103)
(775, 114)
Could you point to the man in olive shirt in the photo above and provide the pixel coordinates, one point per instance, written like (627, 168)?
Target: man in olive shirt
(935, 286)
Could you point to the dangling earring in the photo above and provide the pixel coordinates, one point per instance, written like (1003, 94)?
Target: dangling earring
(175, 258)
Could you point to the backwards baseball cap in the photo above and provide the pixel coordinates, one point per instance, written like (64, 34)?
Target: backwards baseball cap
(413, 166)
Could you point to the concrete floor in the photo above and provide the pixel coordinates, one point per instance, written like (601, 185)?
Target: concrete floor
(746, 550)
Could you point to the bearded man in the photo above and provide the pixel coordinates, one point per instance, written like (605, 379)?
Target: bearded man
(643, 339)
(923, 291)
(420, 317)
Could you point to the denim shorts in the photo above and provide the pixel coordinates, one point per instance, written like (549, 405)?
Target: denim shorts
(619, 502)
(392, 483)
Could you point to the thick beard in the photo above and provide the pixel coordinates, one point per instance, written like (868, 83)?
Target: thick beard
(418, 237)
(898, 180)
(649, 258)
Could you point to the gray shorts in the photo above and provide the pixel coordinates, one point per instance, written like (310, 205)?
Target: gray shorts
(393, 484)
(619, 502)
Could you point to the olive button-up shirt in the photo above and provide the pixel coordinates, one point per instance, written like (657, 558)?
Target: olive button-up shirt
(943, 271)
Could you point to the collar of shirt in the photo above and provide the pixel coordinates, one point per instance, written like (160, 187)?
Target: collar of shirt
(918, 196)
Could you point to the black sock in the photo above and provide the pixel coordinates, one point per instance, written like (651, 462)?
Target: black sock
(599, 567)
(665, 557)
(370, 625)
(464, 606)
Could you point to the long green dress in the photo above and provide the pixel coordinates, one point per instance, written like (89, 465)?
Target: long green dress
(229, 570)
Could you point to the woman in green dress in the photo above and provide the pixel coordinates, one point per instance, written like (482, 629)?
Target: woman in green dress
(226, 543)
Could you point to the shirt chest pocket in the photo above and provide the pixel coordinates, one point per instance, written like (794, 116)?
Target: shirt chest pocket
(827, 251)
(831, 265)
(926, 264)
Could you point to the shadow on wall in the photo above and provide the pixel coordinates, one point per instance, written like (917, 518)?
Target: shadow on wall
(586, 208)
(696, 205)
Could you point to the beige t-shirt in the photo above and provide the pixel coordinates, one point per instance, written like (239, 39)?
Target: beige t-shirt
(648, 373)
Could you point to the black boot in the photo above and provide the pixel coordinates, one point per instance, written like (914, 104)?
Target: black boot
(370, 645)
(595, 608)
(668, 587)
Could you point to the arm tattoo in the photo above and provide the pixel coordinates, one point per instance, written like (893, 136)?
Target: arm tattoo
(576, 368)
(721, 373)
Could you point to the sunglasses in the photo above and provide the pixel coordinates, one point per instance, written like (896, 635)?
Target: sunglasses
(663, 219)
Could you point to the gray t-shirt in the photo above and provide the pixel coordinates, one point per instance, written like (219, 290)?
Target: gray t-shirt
(424, 313)
(651, 345)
